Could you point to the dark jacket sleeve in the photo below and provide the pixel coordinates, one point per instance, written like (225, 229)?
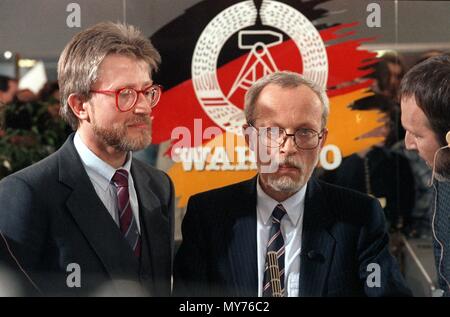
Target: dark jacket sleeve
(23, 226)
(190, 268)
(171, 215)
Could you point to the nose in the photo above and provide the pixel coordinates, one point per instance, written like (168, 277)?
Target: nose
(142, 105)
(288, 146)
(410, 141)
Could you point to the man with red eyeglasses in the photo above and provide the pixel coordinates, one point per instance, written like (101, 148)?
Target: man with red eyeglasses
(90, 218)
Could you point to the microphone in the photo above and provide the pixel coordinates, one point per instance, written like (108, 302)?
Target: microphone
(313, 255)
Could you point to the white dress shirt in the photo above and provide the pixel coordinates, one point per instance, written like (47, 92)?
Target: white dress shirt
(291, 229)
(101, 173)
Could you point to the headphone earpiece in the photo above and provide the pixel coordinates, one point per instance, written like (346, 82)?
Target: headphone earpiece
(447, 139)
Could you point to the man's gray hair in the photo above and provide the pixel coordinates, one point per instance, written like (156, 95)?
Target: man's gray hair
(79, 62)
(284, 79)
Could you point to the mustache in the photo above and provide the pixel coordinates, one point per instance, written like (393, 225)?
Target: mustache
(140, 120)
(289, 161)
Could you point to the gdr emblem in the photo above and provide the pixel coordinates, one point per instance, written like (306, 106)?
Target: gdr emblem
(259, 62)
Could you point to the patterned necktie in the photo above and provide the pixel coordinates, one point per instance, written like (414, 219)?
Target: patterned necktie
(128, 225)
(273, 284)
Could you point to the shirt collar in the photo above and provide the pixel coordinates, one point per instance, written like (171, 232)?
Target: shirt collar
(293, 205)
(102, 171)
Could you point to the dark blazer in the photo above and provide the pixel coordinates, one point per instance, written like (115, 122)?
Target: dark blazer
(51, 216)
(343, 232)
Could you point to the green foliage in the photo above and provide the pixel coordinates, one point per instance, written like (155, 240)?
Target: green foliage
(29, 131)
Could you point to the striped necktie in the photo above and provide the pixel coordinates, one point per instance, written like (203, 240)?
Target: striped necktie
(127, 221)
(273, 284)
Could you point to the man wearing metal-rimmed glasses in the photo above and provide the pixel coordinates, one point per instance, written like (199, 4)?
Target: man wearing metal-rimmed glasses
(284, 233)
(91, 219)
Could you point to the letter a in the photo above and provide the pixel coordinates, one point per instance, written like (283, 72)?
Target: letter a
(374, 278)
(374, 18)
(74, 18)
(74, 278)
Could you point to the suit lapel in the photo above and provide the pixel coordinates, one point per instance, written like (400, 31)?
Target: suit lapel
(242, 252)
(93, 219)
(317, 243)
(155, 228)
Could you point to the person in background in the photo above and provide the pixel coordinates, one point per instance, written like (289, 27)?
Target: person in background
(388, 74)
(50, 92)
(378, 171)
(8, 89)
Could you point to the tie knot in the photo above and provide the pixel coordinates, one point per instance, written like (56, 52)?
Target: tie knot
(120, 178)
(278, 213)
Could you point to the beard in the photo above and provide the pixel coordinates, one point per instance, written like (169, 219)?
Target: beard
(117, 137)
(287, 184)
(443, 166)
(284, 184)
(440, 166)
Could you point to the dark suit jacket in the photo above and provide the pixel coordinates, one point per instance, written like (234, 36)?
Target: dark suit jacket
(51, 216)
(343, 232)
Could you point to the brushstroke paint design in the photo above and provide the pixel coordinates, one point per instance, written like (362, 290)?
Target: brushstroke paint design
(221, 164)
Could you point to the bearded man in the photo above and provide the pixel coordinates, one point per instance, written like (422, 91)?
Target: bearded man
(284, 233)
(425, 103)
(90, 217)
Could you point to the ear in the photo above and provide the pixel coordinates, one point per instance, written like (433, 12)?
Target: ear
(79, 106)
(323, 140)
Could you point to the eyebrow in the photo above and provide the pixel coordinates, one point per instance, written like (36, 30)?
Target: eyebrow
(145, 84)
(301, 127)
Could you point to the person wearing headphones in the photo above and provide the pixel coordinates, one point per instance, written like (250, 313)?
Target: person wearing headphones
(425, 104)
